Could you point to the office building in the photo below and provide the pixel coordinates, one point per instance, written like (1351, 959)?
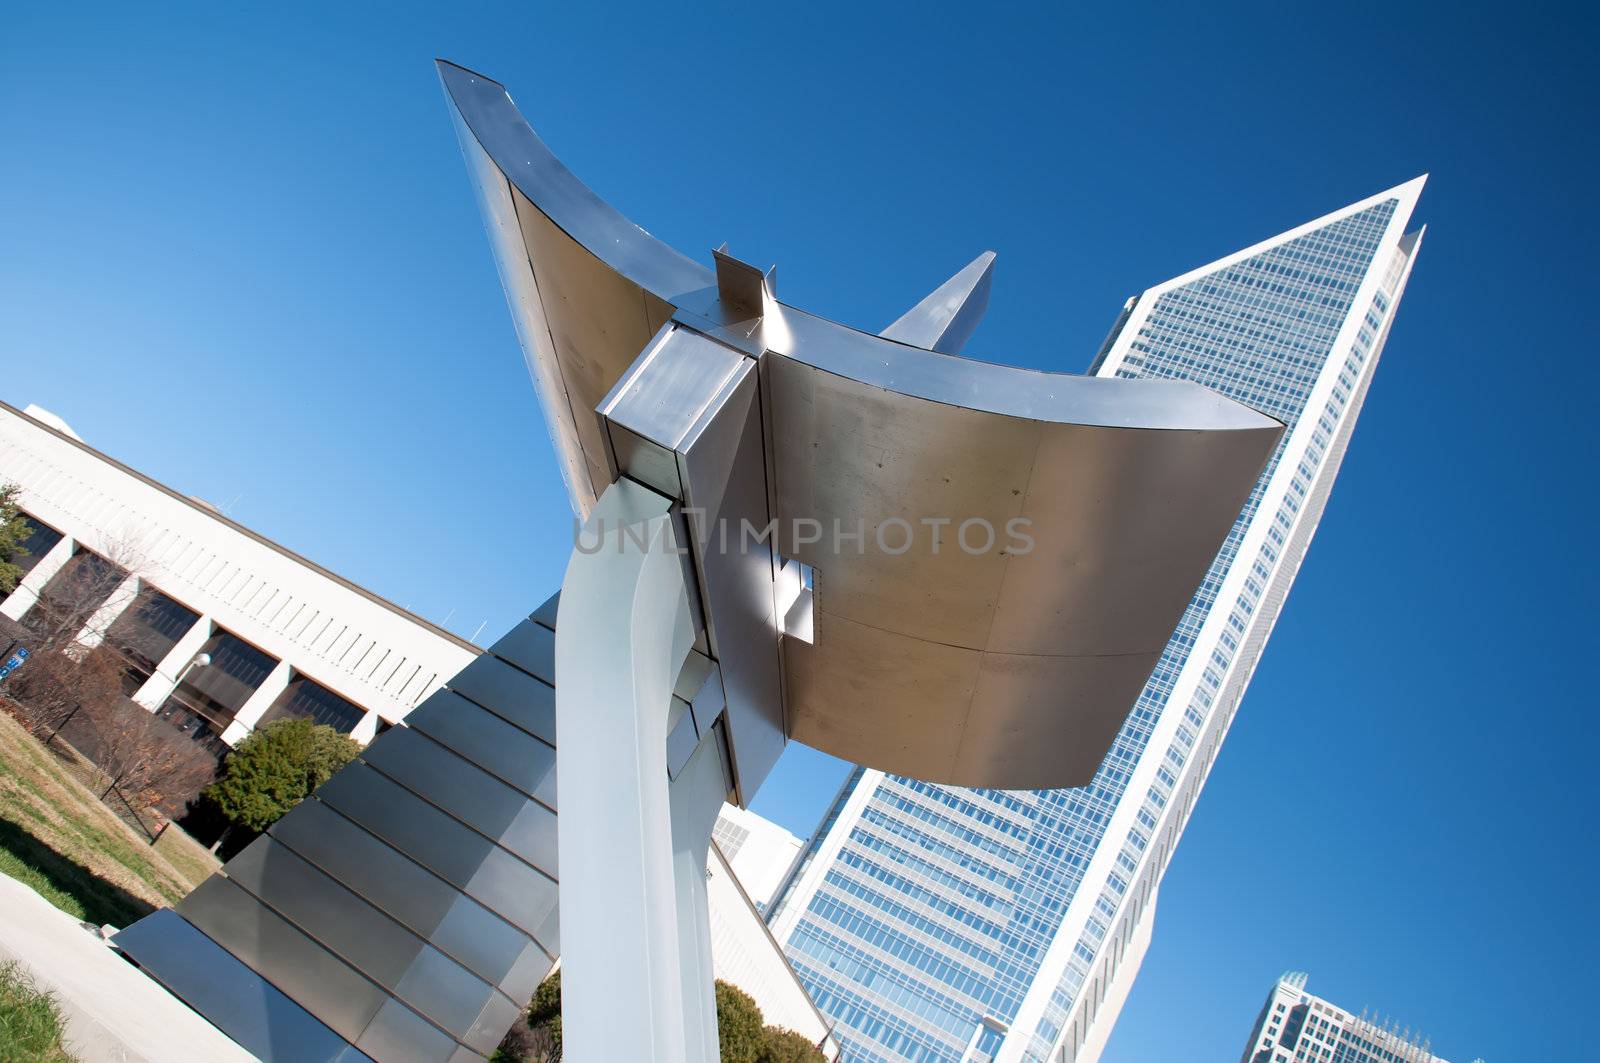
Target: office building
(939, 923)
(1296, 1027)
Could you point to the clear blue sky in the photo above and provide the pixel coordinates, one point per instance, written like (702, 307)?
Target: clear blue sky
(238, 251)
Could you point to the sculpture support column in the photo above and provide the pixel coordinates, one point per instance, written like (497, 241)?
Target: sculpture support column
(624, 630)
(697, 796)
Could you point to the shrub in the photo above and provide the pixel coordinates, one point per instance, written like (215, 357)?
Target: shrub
(739, 1025)
(149, 762)
(742, 1037)
(275, 768)
(13, 533)
(536, 1038)
(786, 1046)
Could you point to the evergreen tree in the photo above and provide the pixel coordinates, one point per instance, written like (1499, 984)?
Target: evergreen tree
(13, 533)
(786, 1046)
(544, 1014)
(275, 767)
(740, 1027)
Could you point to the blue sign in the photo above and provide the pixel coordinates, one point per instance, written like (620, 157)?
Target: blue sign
(14, 661)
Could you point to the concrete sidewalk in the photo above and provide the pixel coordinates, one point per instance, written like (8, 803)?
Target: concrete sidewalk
(114, 1013)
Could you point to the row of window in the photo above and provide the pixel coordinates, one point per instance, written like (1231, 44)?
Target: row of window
(212, 686)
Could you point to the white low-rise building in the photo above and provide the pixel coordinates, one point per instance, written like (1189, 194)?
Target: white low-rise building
(221, 628)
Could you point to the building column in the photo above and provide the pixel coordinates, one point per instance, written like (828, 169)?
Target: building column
(244, 721)
(165, 678)
(27, 592)
(116, 603)
(367, 729)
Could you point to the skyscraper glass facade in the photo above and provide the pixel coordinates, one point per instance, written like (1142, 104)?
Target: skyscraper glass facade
(938, 923)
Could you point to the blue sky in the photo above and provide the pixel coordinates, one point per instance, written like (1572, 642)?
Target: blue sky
(238, 250)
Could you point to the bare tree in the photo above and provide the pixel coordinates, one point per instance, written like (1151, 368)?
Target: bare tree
(73, 685)
(56, 685)
(150, 763)
(78, 604)
(68, 667)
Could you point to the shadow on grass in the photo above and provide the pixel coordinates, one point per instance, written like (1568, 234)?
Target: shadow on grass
(102, 902)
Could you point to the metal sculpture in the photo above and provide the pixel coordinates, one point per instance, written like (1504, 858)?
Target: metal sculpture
(691, 405)
(945, 568)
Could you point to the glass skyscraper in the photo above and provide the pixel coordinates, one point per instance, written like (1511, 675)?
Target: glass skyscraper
(938, 923)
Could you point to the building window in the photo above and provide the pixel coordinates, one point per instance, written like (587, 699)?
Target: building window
(729, 836)
(73, 595)
(313, 701)
(201, 729)
(41, 538)
(146, 632)
(210, 695)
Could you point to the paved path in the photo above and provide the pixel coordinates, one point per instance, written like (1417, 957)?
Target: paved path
(114, 1013)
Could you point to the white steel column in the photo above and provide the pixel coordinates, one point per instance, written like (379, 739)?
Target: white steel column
(256, 705)
(623, 632)
(697, 795)
(27, 591)
(165, 678)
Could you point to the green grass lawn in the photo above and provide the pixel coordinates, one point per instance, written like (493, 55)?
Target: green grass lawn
(40, 868)
(193, 862)
(58, 838)
(30, 1021)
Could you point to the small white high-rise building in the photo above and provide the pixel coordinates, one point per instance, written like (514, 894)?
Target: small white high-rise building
(759, 851)
(1296, 1027)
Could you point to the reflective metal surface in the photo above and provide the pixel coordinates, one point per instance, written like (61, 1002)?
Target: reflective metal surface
(945, 320)
(625, 632)
(315, 978)
(408, 909)
(694, 405)
(588, 287)
(232, 996)
(429, 906)
(983, 658)
(453, 784)
(406, 966)
(1011, 665)
(505, 884)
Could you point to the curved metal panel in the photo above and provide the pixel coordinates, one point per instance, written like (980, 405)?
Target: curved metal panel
(1009, 665)
(1071, 534)
(587, 287)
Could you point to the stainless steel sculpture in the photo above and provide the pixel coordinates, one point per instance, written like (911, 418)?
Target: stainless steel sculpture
(692, 406)
(778, 522)
(986, 669)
